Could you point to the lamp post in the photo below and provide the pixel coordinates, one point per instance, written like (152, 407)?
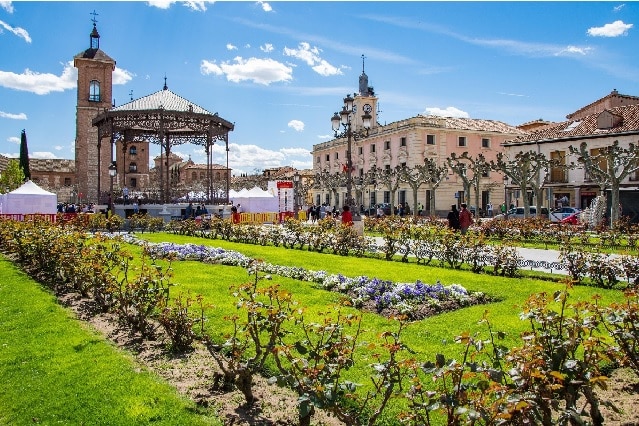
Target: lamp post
(296, 206)
(343, 119)
(112, 172)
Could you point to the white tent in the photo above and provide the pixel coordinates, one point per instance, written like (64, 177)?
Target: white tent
(29, 199)
(255, 200)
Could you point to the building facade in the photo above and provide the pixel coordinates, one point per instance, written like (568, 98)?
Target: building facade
(599, 129)
(408, 143)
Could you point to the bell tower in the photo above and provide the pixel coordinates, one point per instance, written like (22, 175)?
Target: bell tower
(365, 101)
(94, 88)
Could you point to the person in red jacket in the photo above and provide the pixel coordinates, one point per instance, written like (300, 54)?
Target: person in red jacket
(465, 219)
(347, 216)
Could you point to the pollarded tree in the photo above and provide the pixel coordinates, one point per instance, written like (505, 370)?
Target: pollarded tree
(479, 168)
(428, 173)
(524, 170)
(330, 182)
(12, 177)
(608, 167)
(390, 178)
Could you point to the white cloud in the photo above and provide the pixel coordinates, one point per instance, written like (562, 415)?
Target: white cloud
(295, 152)
(265, 6)
(6, 5)
(267, 48)
(311, 56)
(247, 158)
(44, 155)
(20, 32)
(297, 125)
(198, 6)
(616, 29)
(573, 50)
(121, 76)
(14, 139)
(448, 112)
(45, 83)
(58, 148)
(325, 69)
(618, 8)
(21, 116)
(230, 46)
(260, 71)
(39, 83)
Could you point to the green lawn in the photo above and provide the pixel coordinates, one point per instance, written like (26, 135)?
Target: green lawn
(53, 370)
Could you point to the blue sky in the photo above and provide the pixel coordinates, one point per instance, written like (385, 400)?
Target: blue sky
(279, 70)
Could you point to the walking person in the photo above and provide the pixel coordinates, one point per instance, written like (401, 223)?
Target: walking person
(489, 207)
(453, 218)
(465, 219)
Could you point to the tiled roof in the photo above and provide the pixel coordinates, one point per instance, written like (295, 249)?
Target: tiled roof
(476, 124)
(4, 161)
(586, 127)
(96, 54)
(613, 94)
(165, 99)
(51, 165)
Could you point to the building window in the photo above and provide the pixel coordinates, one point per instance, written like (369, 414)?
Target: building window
(387, 168)
(133, 167)
(94, 91)
(485, 173)
(373, 148)
(462, 141)
(337, 155)
(318, 159)
(387, 197)
(403, 165)
(387, 145)
(558, 172)
(67, 181)
(328, 157)
(402, 141)
(134, 183)
(133, 150)
(430, 139)
(485, 143)
(217, 175)
(193, 176)
(360, 150)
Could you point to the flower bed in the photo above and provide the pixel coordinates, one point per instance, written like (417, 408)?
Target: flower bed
(416, 300)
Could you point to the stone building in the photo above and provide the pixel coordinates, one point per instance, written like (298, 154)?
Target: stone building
(603, 125)
(407, 143)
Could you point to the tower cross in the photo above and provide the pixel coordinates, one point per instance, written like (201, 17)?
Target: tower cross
(95, 21)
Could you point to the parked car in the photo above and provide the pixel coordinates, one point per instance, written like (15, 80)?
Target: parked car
(562, 213)
(518, 213)
(573, 219)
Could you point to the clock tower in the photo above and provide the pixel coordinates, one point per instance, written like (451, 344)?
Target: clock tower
(364, 102)
(94, 88)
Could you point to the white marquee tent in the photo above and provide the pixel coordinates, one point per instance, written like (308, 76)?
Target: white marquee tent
(29, 199)
(255, 200)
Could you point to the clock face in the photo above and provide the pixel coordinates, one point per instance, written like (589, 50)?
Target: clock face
(354, 107)
(367, 108)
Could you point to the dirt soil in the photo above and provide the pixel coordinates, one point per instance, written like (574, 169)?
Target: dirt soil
(192, 374)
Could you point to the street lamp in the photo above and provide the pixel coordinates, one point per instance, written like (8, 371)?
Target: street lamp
(113, 170)
(296, 181)
(343, 119)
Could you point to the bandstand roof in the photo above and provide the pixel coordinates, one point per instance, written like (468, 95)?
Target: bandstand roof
(163, 114)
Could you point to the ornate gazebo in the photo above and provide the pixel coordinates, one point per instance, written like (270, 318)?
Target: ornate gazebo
(167, 119)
